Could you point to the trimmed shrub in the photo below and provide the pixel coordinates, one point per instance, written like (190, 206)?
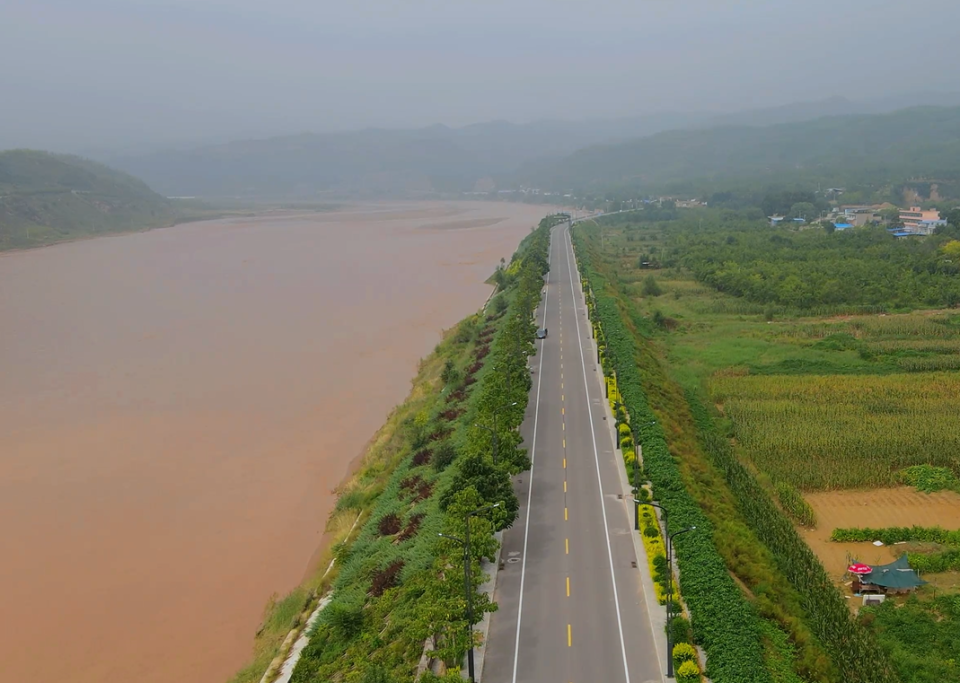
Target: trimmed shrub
(386, 578)
(389, 525)
(688, 672)
(683, 652)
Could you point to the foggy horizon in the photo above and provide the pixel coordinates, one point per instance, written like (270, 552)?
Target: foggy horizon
(140, 73)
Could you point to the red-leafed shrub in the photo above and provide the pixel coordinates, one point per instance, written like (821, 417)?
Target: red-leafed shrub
(388, 525)
(470, 380)
(456, 396)
(452, 414)
(411, 527)
(410, 483)
(440, 434)
(422, 457)
(386, 578)
(482, 352)
(424, 491)
(474, 369)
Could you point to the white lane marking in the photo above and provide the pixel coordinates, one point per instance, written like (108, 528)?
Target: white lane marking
(533, 457)
(596, 458)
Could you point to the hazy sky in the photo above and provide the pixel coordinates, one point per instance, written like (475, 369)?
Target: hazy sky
(76, 74)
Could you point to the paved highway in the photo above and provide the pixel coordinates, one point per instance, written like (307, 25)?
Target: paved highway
(571, 604)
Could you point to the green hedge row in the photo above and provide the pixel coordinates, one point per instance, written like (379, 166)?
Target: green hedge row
(396, 590)
(948, 560)
(723, 621)
(896, 534)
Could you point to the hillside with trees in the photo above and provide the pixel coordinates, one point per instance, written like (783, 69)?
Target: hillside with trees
(46, 198)
(438, 159)
(874, 155)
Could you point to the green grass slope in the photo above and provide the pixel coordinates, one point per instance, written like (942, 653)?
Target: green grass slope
(47, 198)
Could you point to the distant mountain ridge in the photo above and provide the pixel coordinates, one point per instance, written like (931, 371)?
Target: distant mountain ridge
(922, 142)
(46, 198)
(431, 160)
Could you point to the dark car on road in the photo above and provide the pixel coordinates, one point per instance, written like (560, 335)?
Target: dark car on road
(542, 333)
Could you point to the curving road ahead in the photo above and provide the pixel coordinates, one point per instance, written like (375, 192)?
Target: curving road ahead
(571, 605)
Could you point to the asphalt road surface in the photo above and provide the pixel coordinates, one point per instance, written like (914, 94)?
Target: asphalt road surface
(571, 604)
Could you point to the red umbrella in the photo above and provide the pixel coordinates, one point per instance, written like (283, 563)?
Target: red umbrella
(858, 568)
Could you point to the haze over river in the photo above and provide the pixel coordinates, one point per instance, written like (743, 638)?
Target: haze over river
(176, 407)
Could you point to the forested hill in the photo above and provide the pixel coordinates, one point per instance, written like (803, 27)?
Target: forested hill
(46, 198)
(922, 142)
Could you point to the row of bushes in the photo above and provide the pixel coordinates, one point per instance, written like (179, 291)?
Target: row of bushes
(948, 560)
(686, 661)
(723, 622)
(400, 584)
(896, 534)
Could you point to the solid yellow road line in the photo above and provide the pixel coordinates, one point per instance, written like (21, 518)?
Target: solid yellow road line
(569, 636)
(566, 543)
(568, 586)
(565, 518)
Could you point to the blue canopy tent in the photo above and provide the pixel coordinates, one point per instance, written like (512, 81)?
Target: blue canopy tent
(896, 577)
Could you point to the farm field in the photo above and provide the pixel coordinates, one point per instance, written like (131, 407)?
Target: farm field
(827, 406)
(842, 432)
(877, 508)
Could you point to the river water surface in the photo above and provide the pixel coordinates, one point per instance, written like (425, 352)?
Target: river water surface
(176, 407)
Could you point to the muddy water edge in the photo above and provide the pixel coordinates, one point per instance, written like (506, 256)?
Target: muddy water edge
(177, 408)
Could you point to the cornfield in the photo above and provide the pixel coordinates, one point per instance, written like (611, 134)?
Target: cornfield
(832, 432)
(877, 327)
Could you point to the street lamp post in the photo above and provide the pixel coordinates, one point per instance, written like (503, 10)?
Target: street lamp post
(466, 580)
(670, 596)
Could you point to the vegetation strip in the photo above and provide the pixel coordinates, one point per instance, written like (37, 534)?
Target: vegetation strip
(399, 583)
(723, 622)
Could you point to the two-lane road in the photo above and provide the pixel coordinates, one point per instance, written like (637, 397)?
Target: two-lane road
(571, 604)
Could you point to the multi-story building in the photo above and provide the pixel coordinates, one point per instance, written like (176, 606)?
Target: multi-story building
(920, 222)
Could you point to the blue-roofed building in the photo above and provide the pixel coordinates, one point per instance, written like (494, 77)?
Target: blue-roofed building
(843, 226)
(905, 233)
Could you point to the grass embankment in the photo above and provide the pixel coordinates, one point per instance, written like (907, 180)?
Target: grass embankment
(397, 588)
(379, 461)
(787, 399)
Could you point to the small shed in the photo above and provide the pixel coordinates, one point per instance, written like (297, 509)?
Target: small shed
(896, 577)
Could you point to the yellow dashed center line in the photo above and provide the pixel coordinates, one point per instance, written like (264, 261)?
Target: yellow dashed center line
(564, 486)
(566, 543)
(565, 517)
(564, 463)
(568, 586)
(569, 636)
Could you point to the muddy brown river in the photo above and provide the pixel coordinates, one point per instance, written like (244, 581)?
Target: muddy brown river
(176, 407)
